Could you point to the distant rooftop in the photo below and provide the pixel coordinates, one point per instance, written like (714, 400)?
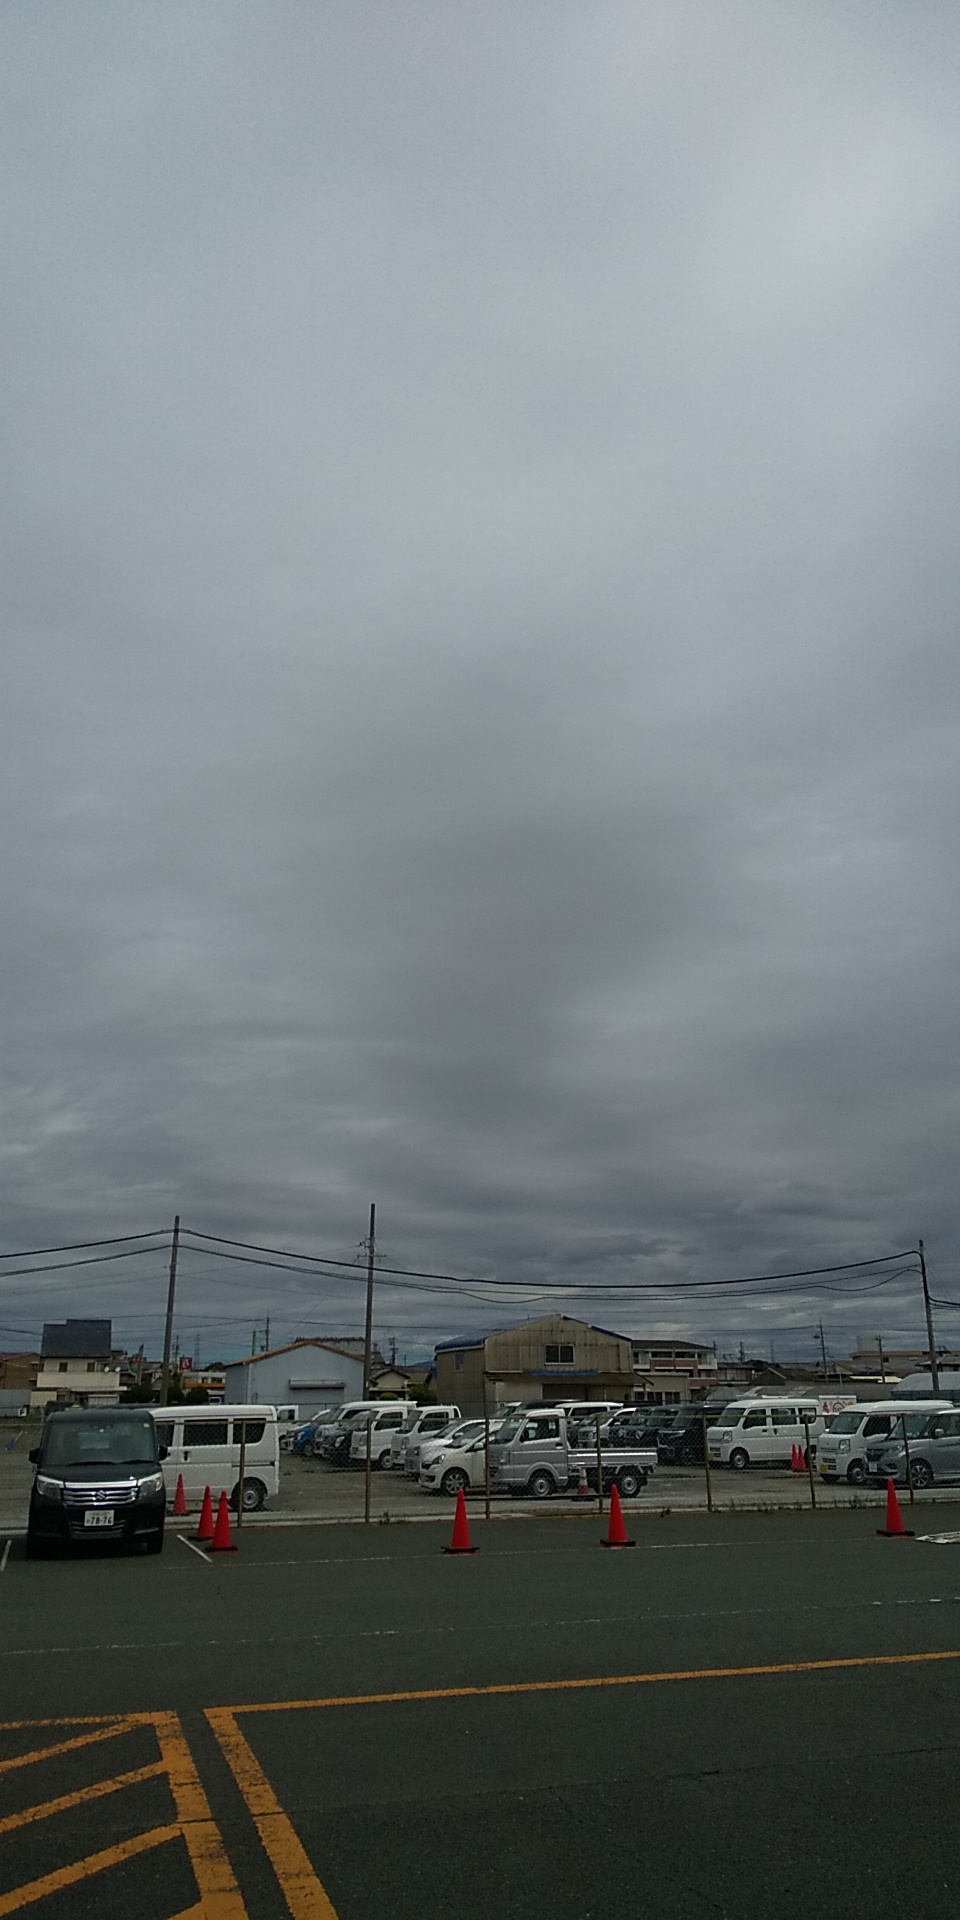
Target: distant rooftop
(77, 1340)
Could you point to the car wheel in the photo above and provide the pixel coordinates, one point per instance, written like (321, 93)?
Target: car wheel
(453, 1480)
(630, 1481)
(540, 1486)
(155, 1543)
(36, 1549)
(856, 1473)
(922, 1473)
(254, 1495)
(739, 1459)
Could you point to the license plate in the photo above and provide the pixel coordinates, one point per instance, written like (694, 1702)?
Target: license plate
(97, 1518)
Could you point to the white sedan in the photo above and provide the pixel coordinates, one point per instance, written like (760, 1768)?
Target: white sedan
(458, 1436)
(454, 1467)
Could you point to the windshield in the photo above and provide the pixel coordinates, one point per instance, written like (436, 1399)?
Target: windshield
(101, 1443)
(915, 1423)
(509, 1430)
(845, 1423)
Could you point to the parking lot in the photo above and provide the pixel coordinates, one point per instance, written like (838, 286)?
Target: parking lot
(312, 1491)
(745, 1710)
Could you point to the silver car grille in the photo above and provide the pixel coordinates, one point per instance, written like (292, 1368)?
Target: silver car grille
(121, 1495)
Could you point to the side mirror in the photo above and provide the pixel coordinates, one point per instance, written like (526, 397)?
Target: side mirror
(34, 1455)
(163, 1452)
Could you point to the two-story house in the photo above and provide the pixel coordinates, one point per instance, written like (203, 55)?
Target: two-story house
(77, 1365)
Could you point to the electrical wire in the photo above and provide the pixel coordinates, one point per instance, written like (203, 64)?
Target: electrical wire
(95, 1260)
(78, 1246)
(626, 1286)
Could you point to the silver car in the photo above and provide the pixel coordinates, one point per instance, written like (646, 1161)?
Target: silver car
(934, 1443)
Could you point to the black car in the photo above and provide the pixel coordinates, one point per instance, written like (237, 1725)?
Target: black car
(98, 1479)
(681, 1444)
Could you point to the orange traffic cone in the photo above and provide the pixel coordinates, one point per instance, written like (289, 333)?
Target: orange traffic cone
(205, 1529)
(179, 1499)
(583, 1484)
(617, 1532)
(460, 1538)
(221, 1542)
(894, 1529)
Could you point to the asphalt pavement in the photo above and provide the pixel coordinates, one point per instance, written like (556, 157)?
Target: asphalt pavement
(741, 1713)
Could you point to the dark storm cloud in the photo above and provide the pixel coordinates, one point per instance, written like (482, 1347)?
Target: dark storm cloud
(480, 688)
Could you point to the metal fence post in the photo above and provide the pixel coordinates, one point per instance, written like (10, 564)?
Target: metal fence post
(809, 1458)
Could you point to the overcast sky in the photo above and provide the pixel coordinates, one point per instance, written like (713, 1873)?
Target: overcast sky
(479, 722)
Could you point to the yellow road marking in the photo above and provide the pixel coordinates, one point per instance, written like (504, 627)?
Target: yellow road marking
(219, 1894)
(604, 1680)
(85, 1869)
(302, 1891)
(66, 1746)
(72, 1720)
(220, 1897)
(96, 1791)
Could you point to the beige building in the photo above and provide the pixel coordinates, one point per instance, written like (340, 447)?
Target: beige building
(551, 1359)
(668, 1371)
(77, 1366)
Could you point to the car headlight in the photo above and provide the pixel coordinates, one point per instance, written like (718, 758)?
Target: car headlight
(843, 1446)
(50, 1489)
(152, 1484)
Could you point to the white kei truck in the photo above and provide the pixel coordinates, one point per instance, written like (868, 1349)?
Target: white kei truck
(532, 1455)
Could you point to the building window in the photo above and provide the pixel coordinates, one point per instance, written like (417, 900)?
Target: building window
(458, 1363)
(91, 1366)
(557, 1356)
(62, 1366)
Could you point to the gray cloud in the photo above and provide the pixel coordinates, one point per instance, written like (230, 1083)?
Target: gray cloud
(479, 725)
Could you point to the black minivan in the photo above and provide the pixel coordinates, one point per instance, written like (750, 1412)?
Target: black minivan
(97, 1479)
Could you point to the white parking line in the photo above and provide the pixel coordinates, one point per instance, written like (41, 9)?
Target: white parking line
(6, 1556)
(184, 1542)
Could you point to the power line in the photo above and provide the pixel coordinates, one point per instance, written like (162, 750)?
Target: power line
(78, 1246)
(94, 1260)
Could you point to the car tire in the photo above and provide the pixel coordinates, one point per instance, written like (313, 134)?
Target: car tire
(739, 1459)
(254, 1495)
(630, 1480)
(541, 1486)
(922, 1473)
(856, 1473)
(454, 1481)
(36, 1549)
(382, 1460)
(155, 1543)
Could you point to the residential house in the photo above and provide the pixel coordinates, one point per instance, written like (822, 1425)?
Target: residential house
(77, 1365)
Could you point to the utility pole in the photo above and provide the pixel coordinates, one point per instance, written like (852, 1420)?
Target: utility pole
(934, 1369)
(883, 1362)
(368, 1330)
(266, 1336)
(822, 1346)
(168, 1323)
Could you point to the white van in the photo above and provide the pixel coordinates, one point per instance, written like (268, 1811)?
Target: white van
(420, 1423)
(332, 1441)
(203, 1444)
(842, 1446)
(762, 1433)
(385, 1422)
